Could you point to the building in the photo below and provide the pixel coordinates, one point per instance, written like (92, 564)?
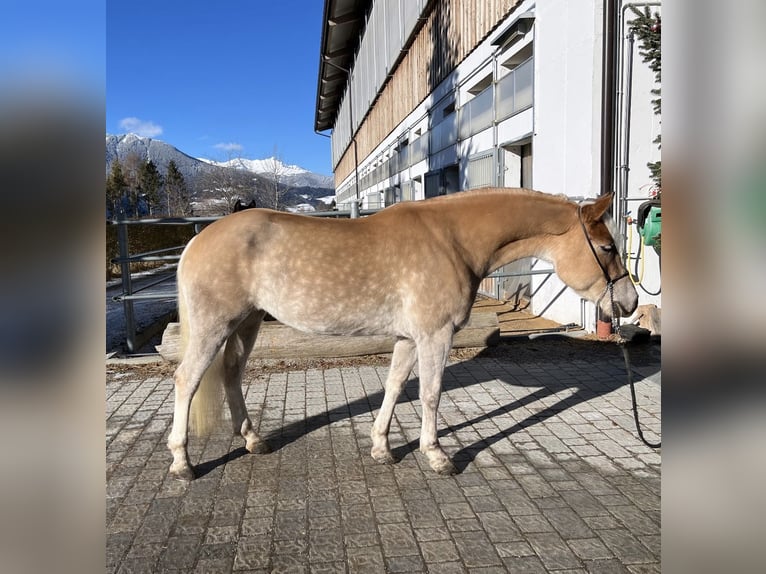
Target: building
(426, 98)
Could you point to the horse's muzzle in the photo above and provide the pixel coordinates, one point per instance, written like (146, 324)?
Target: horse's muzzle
(625, 297)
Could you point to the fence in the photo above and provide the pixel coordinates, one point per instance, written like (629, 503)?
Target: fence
(162, 286)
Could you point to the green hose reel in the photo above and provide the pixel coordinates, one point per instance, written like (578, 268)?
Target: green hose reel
(649, 221)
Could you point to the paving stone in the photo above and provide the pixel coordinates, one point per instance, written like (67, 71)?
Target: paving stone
(499, 526)
(404, 564)
(533, 523)
(567, 523)
(590, 549)
(181, 552)
(213, 566)
(289, 564)
(635, 520)
(252, 553)
(439, 551)
(584, 503)
(365, 560)
(524, 565)
(447, 568)
(397, 540)
(337, 567)
(137, 566)
(553, 551)
(568, 491)
(626, 547)
(326, 547)
(514, 549)
(605, 567)
(476, 549)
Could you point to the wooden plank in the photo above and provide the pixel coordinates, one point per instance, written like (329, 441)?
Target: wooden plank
(277, 341)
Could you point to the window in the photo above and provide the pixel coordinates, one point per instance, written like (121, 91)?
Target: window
(518, 58)
(481, 85)
(443, 125)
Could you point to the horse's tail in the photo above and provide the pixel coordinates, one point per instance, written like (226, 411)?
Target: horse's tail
(206, 407)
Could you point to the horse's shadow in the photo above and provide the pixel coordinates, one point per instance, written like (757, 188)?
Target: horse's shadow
(595, 354)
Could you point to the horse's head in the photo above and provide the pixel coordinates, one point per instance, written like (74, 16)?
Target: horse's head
(588, 260)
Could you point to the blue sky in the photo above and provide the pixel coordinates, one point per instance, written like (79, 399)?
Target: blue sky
(235, 78)
(54, 44)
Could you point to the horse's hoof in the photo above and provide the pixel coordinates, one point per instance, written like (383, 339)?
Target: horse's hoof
(444, 468)
(384, 457)
(186, 474)
(258, 447)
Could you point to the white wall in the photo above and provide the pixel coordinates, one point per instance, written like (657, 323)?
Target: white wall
(566, 139)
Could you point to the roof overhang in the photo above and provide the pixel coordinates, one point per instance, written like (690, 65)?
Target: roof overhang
(342, 24)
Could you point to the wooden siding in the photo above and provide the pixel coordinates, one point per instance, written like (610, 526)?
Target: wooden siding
(453, 29)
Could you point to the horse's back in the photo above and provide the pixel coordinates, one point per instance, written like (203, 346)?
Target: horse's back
(361, 276)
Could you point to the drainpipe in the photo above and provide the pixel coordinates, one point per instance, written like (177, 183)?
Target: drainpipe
(624, 66)
(608, 86)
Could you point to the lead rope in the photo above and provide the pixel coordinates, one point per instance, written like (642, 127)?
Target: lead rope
(622, 342)
(616, 328)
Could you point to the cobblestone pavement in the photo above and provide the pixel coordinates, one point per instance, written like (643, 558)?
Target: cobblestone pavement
(551, 475)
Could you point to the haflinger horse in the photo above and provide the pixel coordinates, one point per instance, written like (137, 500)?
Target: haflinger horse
(410, 271)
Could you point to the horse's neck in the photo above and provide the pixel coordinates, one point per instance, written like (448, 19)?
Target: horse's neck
(498, 229)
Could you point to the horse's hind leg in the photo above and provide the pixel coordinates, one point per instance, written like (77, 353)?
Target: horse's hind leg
(402, 362)
(238, 348)
(198, 356)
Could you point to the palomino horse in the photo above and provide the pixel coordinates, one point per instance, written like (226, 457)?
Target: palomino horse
(410, 271)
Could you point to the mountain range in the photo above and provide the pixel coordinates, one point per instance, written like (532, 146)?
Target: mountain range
(305, 187)
(293, 175)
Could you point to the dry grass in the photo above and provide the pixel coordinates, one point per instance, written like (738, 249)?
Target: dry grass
(143, 238)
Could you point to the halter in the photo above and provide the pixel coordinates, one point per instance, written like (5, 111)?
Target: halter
(609, 281)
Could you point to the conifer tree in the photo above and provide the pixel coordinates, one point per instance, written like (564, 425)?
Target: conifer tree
(150, 181)
(648, 30)
(176, 191)
(116, 185)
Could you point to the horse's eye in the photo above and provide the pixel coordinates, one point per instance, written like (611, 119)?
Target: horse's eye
(608, 248)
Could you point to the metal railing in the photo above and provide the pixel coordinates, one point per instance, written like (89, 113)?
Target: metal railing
(155, 288)
(162, 286)
(505, 275)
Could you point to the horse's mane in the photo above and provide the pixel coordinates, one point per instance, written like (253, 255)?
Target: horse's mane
(500, 191)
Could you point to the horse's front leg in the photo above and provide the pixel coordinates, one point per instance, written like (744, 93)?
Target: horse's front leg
(432, 357)
(402, 361)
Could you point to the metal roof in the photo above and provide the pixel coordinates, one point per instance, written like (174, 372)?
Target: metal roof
(342, 24)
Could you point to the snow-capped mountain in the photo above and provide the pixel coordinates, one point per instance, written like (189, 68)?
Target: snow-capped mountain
(292, 175)
(304, 186)
(124, 145)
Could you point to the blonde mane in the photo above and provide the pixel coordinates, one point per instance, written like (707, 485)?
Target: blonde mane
(499, 191)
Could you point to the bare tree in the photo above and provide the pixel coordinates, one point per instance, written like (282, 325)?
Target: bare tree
(230, 182)
(132, 165)
(275, 174)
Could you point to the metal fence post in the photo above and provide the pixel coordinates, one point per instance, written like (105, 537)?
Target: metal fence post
(127, 288)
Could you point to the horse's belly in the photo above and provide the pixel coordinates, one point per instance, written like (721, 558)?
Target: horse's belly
(323, 315)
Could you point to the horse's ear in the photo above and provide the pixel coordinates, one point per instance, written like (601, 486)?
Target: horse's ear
(596, 210)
